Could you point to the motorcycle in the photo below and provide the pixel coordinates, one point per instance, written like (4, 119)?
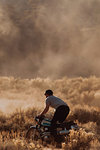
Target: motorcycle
(42, 130)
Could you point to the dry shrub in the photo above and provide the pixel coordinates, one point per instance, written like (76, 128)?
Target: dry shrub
(19, 120)
(85, 114)
(95, 145)
(77, 90)
(16, 141)
(79, 140)
(3, 118)
(11, 146)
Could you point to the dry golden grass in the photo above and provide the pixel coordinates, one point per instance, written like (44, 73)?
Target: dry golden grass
(81, 94)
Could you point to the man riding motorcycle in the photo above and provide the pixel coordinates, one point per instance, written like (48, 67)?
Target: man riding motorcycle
(61, 109)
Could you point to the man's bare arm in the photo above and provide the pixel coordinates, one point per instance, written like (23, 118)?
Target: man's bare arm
(45, 110)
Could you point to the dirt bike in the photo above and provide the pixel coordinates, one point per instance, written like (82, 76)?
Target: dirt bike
(42, 130)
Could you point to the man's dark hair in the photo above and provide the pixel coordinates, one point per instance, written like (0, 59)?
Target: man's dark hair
(49, 92)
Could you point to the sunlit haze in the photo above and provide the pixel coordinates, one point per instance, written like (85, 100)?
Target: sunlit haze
(49, 38)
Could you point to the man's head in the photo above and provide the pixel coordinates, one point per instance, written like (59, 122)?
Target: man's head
(48, 93)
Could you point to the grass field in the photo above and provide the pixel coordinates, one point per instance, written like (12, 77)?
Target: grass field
(22, 99)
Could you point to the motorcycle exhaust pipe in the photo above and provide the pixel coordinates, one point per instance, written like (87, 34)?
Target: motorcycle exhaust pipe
(63, 132)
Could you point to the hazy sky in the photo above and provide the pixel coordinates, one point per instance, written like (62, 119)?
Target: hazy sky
(49, 38)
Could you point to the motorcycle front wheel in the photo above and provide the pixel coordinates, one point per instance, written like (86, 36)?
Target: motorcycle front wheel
(32, 134)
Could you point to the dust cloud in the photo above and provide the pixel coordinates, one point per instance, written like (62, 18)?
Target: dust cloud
(49, 38)
(9, 106)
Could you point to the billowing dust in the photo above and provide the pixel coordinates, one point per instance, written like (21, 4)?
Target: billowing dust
(49, 38)
(9, 106)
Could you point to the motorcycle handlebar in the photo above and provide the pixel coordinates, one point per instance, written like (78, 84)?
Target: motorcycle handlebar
(37, 118)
